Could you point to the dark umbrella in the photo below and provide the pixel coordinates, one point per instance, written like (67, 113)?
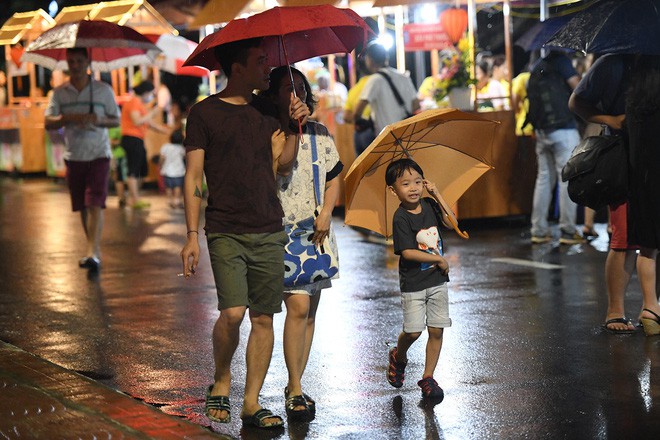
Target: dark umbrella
(538, 34)
(613, 26)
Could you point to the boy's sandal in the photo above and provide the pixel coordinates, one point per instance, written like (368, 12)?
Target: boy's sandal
(395, 370)
(218, 403)
(258, 419)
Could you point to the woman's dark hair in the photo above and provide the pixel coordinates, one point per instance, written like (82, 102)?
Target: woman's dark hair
(643, 97)
(485, 67)
(234, 52)
(144, 87)
(276, 76)
(398, 167)
(176, 137)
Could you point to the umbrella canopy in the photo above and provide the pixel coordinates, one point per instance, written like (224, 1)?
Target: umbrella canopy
(290, 34)
(112, 46)
(613, 26)
(538, 34)
(452, 147)
(175, 49)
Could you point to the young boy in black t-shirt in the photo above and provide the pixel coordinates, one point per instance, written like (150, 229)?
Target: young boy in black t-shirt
(423, 272)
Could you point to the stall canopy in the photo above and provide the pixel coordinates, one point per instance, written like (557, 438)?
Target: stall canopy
(222, 11)
(25, 26)
(138, 14)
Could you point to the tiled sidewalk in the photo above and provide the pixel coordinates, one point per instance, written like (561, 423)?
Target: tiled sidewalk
(40, 400)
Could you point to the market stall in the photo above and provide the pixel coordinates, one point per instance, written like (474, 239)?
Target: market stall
(142, 17)
(22, 120)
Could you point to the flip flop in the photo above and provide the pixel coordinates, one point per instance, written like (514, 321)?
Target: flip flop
(216, 403)
(623, 320)
(257, 419)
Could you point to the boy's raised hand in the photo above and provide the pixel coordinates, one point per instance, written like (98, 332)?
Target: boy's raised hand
(431, 188)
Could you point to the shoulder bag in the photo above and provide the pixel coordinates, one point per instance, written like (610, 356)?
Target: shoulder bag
(597, 172)
(305, 262)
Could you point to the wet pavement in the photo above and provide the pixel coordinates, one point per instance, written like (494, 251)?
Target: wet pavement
(525, 358)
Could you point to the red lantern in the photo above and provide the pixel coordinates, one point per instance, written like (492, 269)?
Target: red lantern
(15, 53)
(455, 22)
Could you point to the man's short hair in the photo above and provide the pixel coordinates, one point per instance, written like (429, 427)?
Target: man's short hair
(398, 167)
(78, 51)
(234, 52)
(377, 53)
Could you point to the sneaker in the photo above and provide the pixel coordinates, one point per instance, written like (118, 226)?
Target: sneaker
(540, 239)
(91, 263)
(396, 370)
(141, 205)
(589, 234)
(573, 238)
(431, 389)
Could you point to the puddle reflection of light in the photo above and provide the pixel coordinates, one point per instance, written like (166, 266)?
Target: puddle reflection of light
(645, 385)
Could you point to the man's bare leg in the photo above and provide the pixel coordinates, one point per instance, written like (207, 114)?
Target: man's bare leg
(226, 336)
(258, 354)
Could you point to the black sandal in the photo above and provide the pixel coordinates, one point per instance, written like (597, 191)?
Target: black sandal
(257, 419)
(311, 403)
(291, 404)
(220, 403)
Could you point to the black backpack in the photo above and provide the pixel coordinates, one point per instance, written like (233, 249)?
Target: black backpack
(548, 95)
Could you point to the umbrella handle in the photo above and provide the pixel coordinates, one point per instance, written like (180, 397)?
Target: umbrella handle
(462, 234)
(293, 86)
(453, 223)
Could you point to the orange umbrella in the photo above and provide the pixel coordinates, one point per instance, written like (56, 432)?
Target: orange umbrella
(452, 147)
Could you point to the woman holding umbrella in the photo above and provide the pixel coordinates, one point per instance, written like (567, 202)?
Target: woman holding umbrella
(299, 202)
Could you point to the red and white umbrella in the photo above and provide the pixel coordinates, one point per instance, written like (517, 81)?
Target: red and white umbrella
(110, 46)
(175, 50)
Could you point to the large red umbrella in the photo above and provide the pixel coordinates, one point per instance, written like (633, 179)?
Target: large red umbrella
(111, 46)
(290, 34)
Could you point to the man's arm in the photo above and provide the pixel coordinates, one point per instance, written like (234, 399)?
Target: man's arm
(590, 113)
(359, 108)
(192, 196)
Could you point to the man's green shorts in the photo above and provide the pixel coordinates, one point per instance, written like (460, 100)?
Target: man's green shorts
(248, 270)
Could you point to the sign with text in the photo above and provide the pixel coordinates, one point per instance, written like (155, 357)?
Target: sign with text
(425, 36)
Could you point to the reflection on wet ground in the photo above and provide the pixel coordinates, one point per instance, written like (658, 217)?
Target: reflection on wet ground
(525, 358)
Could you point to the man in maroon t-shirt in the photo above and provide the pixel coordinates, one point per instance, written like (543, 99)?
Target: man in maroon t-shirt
(230, 142)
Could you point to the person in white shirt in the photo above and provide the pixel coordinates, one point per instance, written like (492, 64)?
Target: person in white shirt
(173, 168)
(381, 96)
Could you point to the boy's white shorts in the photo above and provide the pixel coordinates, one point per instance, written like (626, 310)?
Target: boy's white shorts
(428, 307)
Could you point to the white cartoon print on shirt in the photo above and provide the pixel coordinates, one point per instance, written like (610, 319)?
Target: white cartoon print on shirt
(428, 240)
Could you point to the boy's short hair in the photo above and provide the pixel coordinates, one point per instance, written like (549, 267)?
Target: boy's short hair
(398, 167)
(176, 137)
(234, 52)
